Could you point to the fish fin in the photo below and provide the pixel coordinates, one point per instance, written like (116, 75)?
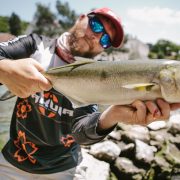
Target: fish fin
(79, 62)
(81, 59)
(7, 95)
(140, 87)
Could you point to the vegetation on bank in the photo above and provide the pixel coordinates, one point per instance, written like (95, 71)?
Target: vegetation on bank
(45, 21)
(164, 49)
(13, 24)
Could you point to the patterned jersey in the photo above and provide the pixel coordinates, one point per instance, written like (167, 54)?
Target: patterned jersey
(46, 130)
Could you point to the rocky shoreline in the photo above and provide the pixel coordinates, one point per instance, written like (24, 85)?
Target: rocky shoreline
(138, 153)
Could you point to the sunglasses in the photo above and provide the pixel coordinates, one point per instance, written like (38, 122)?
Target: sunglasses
(97, 27)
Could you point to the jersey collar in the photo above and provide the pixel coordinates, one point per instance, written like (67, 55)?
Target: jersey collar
(62, 48)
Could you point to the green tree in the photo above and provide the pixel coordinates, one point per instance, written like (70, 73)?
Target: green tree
(66, 16)
(164, 49)
(24, 26)
(15, 24)
(52, 24)
(4, 24)
(45, 21)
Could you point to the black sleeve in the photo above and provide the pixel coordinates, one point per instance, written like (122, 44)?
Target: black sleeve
(85, 124)
(18, 48)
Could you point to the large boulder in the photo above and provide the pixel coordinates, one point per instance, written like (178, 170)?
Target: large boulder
(144, 152)
(127, 150)
(107, 151)
(174, 124)
(92, 169)
(125, 169)
(136, 132)
(116, 135)
(161, 136)
(157, 125)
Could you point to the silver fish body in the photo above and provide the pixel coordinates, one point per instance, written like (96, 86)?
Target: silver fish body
(117, 82)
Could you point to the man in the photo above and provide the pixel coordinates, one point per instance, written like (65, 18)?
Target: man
(45, 130)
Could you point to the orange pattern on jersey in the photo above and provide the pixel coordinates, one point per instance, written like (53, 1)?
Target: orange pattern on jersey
(23, 108)
(25, 149)
(67, 141)
(46, 112)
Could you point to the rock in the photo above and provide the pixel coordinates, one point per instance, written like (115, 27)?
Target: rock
(160, 136)
(125, 169)
(144, 152)
(163, 164)
(157, 125)
(157, 144)
(93, 169)
(107, 151)
(125, 147)
(136, 132)
(174, 124)
(153, 148)
(175, 112)
(115, 135)
(150, 174)
(127, 150)
(123, 126)
(172, 154)
(175, 140)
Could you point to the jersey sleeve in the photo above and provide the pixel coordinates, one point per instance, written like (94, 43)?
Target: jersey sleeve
(85, 124)
(20, 47)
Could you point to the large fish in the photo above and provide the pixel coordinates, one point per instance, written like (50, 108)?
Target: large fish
(119, 82)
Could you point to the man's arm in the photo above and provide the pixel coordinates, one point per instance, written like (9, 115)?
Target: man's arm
(139, 112)
(90, 126)
(19, 47)
(23, 75)
(84, 126)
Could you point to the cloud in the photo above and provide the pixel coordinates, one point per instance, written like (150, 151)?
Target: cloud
(155, 15)
(151, 24)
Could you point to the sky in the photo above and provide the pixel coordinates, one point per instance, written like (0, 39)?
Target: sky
(148, 21)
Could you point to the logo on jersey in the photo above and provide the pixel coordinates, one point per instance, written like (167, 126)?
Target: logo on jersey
(23, 108)
(67, 141)
(49, 105)
(25, 149)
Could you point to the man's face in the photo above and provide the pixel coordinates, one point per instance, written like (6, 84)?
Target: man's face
(83, 41)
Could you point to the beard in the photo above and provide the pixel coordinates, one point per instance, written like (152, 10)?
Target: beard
(80, 44)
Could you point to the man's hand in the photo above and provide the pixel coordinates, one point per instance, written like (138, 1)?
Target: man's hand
(139, 112)
(23, 77)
